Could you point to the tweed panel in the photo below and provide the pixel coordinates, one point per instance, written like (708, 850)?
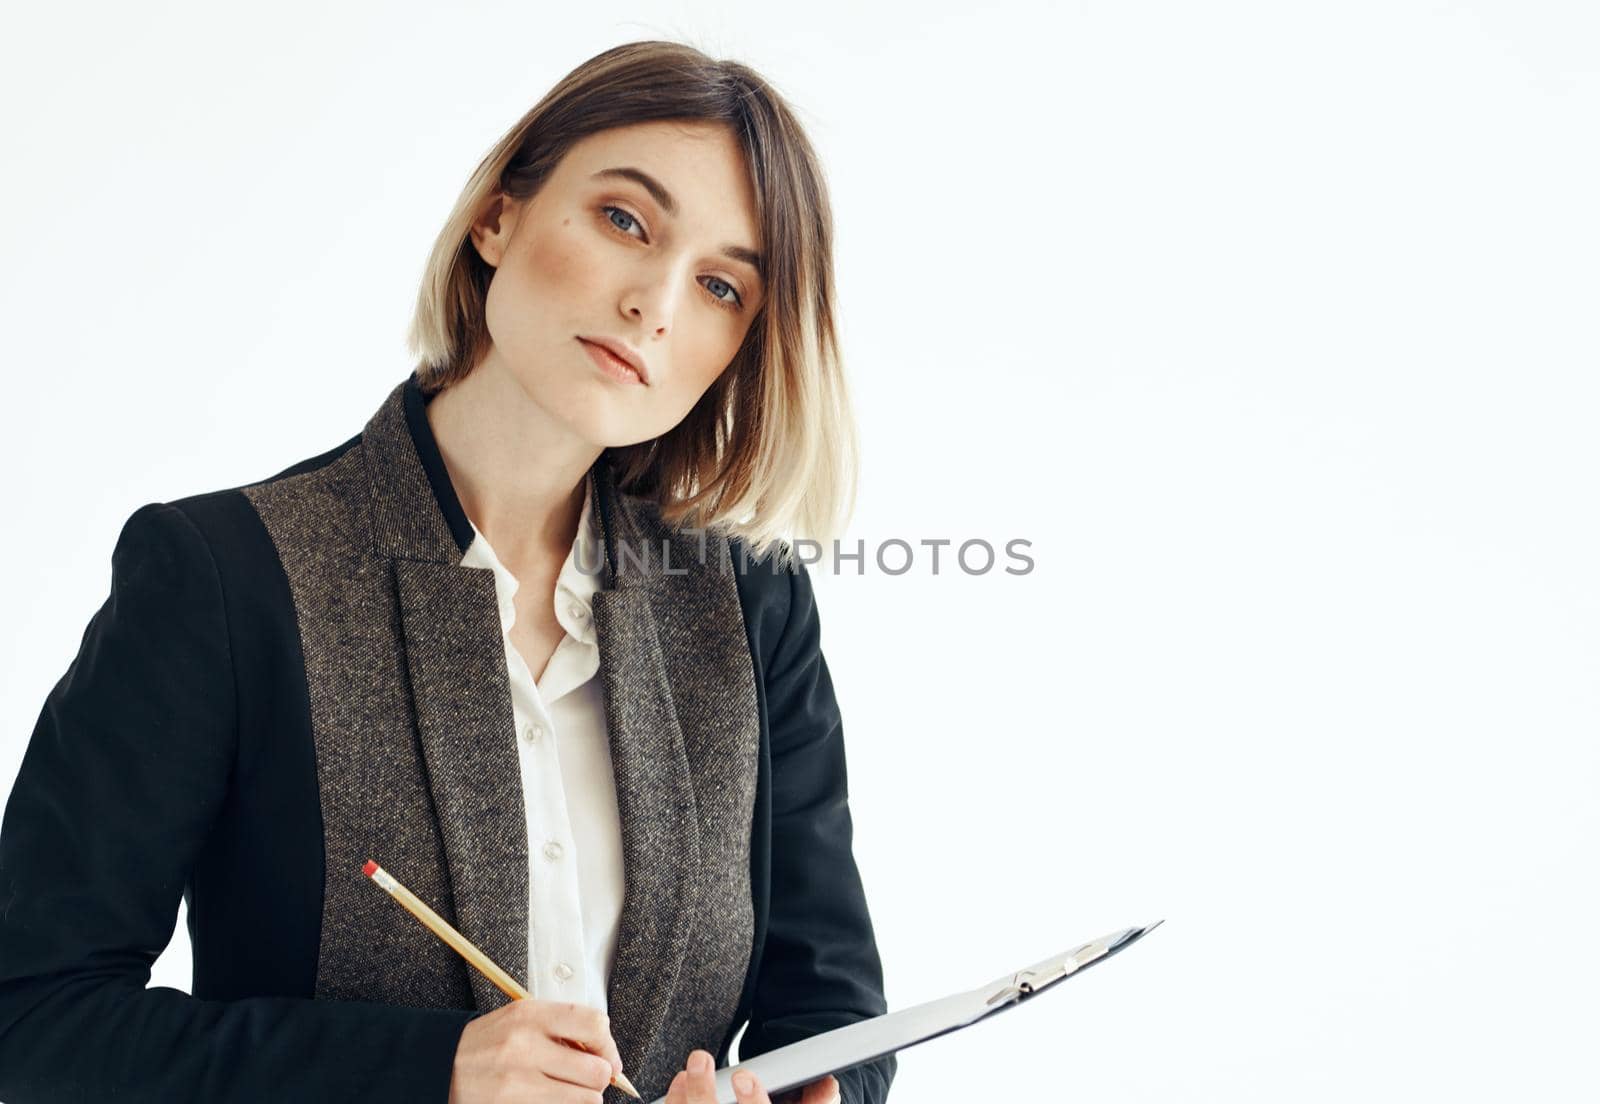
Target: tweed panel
(675, 609)
(370, 771)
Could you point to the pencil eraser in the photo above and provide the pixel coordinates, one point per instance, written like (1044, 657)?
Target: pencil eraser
(369, 868)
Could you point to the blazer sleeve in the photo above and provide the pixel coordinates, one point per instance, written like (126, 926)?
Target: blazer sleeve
(819, 967)
(128, 765)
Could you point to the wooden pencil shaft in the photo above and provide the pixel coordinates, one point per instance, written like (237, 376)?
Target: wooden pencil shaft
(440, 927)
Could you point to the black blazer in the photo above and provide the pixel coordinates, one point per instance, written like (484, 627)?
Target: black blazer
(294, 675)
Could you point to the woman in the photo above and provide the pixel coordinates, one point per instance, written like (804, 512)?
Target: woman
(627, 786)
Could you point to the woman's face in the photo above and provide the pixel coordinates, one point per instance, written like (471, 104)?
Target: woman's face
(600, 253)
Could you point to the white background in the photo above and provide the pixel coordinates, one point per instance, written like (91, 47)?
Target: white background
(1272, 326)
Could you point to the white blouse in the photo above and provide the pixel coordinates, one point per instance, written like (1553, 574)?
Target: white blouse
(575, 873)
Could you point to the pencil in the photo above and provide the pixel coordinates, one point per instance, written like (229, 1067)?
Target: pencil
(462, 945)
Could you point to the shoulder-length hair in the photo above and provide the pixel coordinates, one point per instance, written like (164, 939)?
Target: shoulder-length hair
(770, 452)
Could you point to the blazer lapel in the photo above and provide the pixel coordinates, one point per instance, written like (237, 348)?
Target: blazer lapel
(456, 659)
(682, 715)
(660, 833)
(460, 690)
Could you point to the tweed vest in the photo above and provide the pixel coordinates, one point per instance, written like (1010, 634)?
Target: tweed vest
(416, 752)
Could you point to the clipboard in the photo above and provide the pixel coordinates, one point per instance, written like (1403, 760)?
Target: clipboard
(834, 1051)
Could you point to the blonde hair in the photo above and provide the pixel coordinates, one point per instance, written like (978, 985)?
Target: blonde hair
(770, 452)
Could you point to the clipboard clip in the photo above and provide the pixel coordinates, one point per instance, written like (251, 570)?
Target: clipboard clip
(1028, 981)
(1021, 983)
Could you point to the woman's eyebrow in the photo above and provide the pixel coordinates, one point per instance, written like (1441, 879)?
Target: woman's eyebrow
(659, 193)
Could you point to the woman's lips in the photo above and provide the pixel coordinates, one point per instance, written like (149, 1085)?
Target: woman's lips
(611, 364)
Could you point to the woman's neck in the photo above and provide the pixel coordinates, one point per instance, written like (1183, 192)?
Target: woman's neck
(519, 473)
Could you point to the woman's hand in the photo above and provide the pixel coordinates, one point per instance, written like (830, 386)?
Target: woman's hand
(696, 1083)
(519, 1052)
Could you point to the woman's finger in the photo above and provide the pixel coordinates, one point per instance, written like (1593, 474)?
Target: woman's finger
(825, 1091)
(701, 1082)
(563, 1062)
(748, 1089)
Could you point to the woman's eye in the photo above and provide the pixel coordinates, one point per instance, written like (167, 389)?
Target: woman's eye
(715, 282)
(611, 217)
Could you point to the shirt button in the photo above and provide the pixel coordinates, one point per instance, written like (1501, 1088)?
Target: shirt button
(552, 850)
(577, 611)
(562, 971)
(532, 731)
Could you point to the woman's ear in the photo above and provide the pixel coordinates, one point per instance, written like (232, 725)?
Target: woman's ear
(491, 230)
